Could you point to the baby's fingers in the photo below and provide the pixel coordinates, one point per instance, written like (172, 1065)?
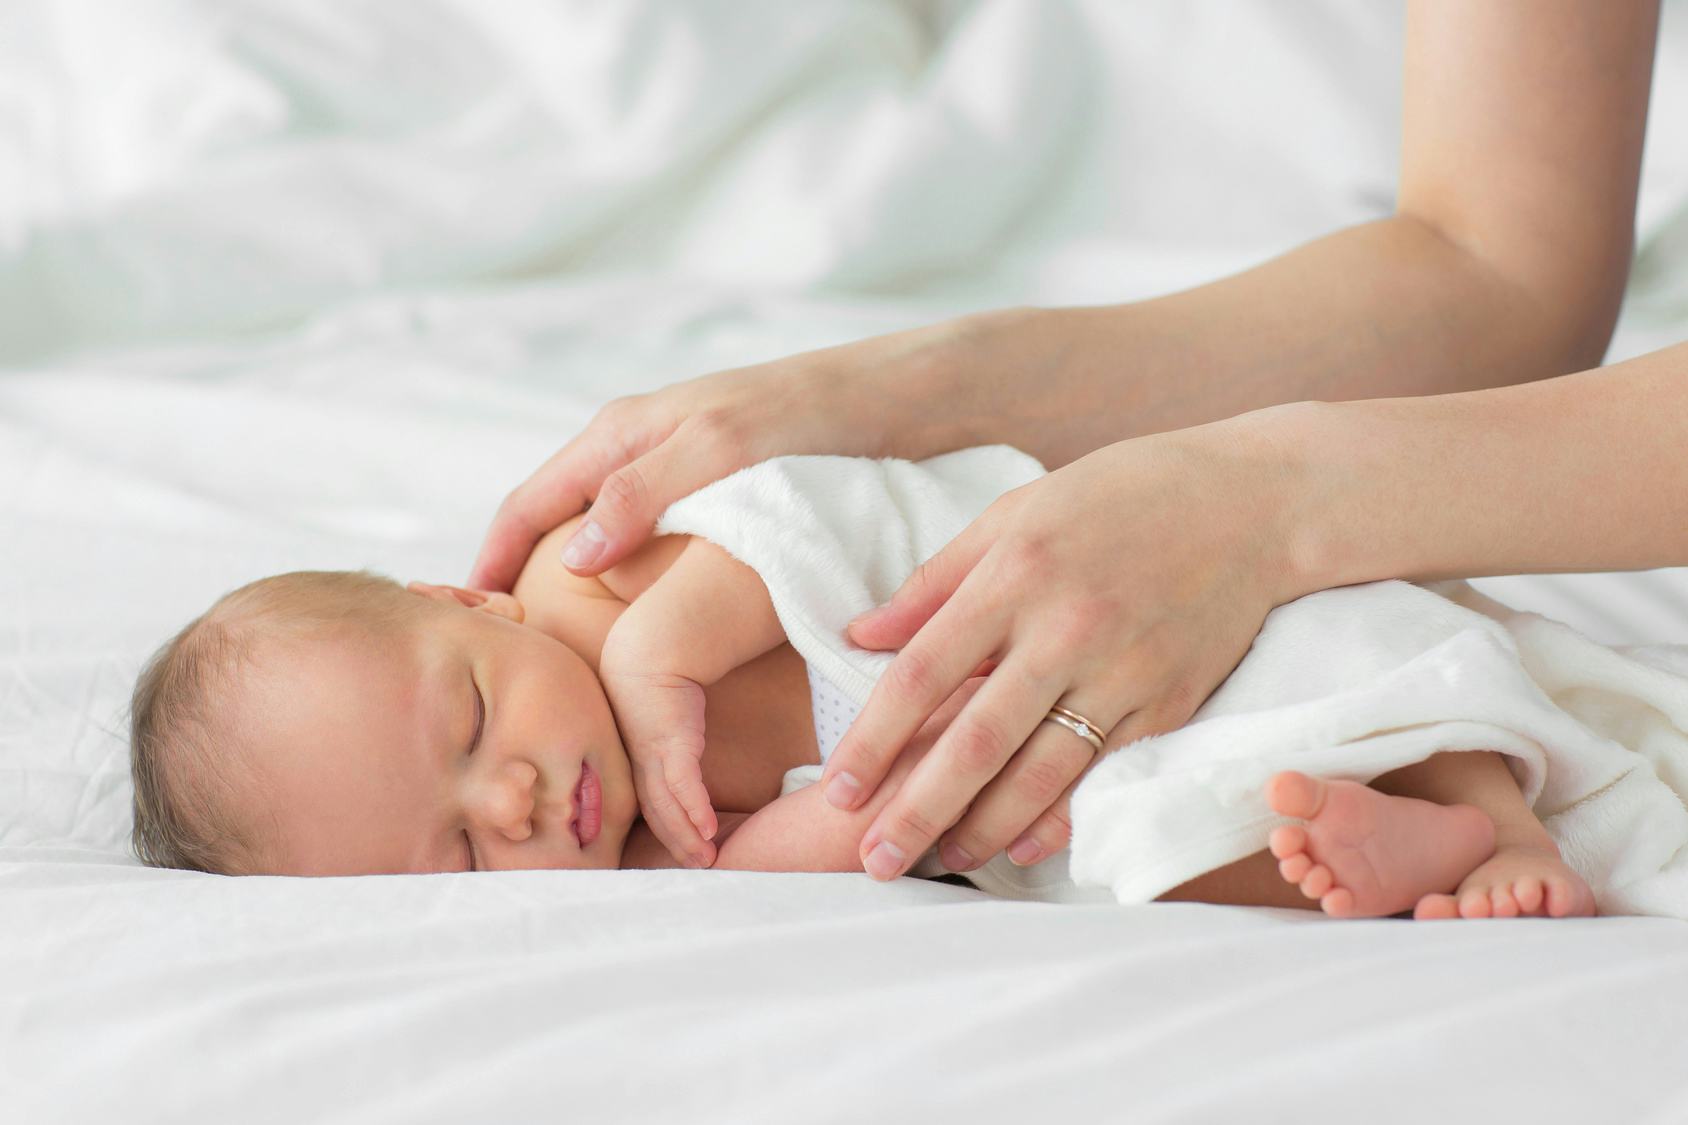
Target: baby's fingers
(668, 818)
(684, 778)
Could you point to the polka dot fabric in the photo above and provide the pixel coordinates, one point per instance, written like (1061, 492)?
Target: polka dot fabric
(833, 711)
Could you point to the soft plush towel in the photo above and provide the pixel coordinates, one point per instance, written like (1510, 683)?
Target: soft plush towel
(832, 537)
(1354, 682)
(1347, 683)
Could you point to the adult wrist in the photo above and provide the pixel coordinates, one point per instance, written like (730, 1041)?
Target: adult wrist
(962, 382)
(1308, 493)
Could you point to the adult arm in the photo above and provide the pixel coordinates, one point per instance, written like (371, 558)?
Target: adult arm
(1583, 472)
(1504, 261)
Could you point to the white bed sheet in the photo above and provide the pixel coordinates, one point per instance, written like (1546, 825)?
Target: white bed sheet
(275, 333)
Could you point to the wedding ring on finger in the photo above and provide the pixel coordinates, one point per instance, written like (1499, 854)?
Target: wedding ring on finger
(1076, 723)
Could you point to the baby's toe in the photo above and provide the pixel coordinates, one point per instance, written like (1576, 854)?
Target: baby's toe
(1558, 895)
(1502, 902)
(1338, 902)
(1291, 793)
(1565, 898)
(1295, 868)
(1317, 881)
(1287, 840)
(1435, 908)
(1474, 903)
(1527, 891)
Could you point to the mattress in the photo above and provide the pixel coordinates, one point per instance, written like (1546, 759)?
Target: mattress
(293, 285)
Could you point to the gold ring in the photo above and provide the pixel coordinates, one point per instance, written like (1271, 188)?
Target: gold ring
(1076, 723)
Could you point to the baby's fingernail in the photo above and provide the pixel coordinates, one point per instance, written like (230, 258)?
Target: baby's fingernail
(885, 860)
(1025, 851)
(585, 547)
(842, 789)
(955, 858)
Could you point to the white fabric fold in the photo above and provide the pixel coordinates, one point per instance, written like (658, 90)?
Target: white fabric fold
(832, 537)
(1355, 682)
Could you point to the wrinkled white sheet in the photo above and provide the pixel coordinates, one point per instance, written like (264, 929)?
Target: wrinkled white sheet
(293, 284)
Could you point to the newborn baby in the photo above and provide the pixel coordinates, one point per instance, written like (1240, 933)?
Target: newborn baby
(331, 723)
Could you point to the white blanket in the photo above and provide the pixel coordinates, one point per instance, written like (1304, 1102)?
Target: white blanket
(1347, 683)
(832, 537)
(1354, 682)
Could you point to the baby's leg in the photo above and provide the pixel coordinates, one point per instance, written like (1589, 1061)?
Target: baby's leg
(1526, 874)
(1455, 822)
(1359, 852)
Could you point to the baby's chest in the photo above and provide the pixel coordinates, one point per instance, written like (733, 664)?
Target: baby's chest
(758, 724)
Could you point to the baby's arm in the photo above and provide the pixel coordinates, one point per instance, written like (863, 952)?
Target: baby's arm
(706, 615)
(801, 832)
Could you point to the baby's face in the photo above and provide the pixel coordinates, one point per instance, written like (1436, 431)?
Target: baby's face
(465, 741)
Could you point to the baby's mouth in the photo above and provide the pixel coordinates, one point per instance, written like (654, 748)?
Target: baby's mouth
(588, 806)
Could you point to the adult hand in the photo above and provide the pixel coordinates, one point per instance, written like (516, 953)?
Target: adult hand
(1124, 587)
(642, 453)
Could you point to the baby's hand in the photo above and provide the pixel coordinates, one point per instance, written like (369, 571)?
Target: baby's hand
(706, 615)
(661, 721)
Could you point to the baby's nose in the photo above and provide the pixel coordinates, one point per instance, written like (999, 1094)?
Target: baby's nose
(506, 804)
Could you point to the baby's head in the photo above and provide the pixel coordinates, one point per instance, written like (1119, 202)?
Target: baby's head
(337, 723)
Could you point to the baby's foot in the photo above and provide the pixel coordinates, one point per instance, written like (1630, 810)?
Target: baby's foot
(1517, 880)
(1365, 854)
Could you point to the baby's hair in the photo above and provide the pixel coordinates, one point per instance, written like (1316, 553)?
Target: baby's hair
(183, 738)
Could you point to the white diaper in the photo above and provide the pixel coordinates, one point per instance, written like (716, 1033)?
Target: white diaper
(834, 712)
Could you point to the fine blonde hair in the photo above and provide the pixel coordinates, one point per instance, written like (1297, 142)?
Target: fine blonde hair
(185, 741)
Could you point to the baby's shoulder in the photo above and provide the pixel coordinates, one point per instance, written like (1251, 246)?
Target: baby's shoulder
(544, 576)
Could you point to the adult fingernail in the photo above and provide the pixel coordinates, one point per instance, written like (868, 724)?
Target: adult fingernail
(842, 789)
(885, 861)
(585, 547)
(1025, 851)
(956, 859)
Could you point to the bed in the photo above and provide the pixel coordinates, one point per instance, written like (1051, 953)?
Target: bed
(313, 284)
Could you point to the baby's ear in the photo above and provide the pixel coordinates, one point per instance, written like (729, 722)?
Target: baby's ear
(487, 601)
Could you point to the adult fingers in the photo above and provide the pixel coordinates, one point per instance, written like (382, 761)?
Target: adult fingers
(1053, 829)
(921, 677)
(994, 724)
(1028, 789)
(926, 590)
(557, 490)
(701, 449)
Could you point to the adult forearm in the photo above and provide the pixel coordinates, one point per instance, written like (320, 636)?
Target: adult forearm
(1385, 309)
(1582, 472)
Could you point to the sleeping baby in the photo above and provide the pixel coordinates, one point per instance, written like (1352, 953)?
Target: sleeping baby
(338, 723)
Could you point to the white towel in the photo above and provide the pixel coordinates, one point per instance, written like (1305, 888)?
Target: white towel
(1354, 682)
(1347, 683)
(832, 537)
